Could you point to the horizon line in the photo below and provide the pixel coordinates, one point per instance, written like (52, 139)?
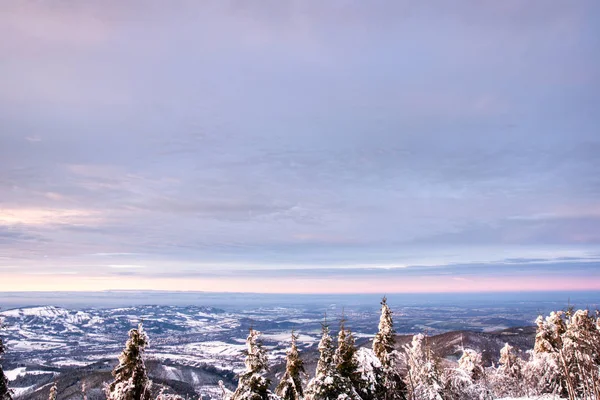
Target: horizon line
(299, 293)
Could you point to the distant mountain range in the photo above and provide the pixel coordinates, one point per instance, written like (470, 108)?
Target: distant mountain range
(191, 347)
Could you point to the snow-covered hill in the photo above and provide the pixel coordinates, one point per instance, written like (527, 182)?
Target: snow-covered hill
(194, 345)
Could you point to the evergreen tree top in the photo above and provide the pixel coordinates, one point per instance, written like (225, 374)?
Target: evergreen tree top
(345, 355)
(131, 356)
(325, 337)
(131, 380)
(290, 386)
(385, 320)
(383, 343)
(256, 357)
(293, 350)
(252, 384)
(326, 351)
(292, 353)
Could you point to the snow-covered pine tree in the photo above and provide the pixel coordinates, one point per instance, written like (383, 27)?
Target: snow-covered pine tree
(252, 384)
(130, 379)
(470, 363)
(5, 392)
(390, 384)
(370, 369)
(328, 384)
(424, 374)
(384, 341)
(581, 355)
(349, 367)
(544, 371)
(53, 391)
(507, 379)
(548, 338)
(467, 381)
(345, 356)
(321, 386)
(290, 386)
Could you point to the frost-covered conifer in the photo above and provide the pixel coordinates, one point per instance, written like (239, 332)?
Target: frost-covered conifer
(507, 378)
(348, 365)
(369, 368)
(290, 386)
(345, 356)
(581, 355)
(252, 384)
(328, 384)
(554, 366)
(470, 363)
(424, 374)
(130, 379)
(321, 386)
(566, 357)
(53, 391)
(384, 341)
(468, 380)
(548, 338)
(544, 372)
(5, 392)
(389, 382)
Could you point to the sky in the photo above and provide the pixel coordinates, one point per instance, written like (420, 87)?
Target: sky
(300, 146)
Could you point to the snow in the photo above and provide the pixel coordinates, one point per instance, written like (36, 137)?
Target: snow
(214, 348)
(302, 320)
(172, 373)
(497, 328)
(22, 371)
(71, 362)
(367, 360)
(545, 397)
(18, 391)
(15, 373)
(285, 337)
(212, 391)
(29, 345)
(71, 317)
(47, 311)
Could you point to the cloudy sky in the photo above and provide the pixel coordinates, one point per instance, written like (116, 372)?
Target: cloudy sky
(300, 145)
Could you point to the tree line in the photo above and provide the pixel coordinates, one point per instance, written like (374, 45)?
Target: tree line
(565, 361)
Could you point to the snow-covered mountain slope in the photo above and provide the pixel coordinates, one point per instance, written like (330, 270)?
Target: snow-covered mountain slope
(73, 337)
(48, 312)
(194, 345)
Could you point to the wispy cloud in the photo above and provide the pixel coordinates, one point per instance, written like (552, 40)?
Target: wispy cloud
(33, 139)
(46, 216)
(126, 266)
